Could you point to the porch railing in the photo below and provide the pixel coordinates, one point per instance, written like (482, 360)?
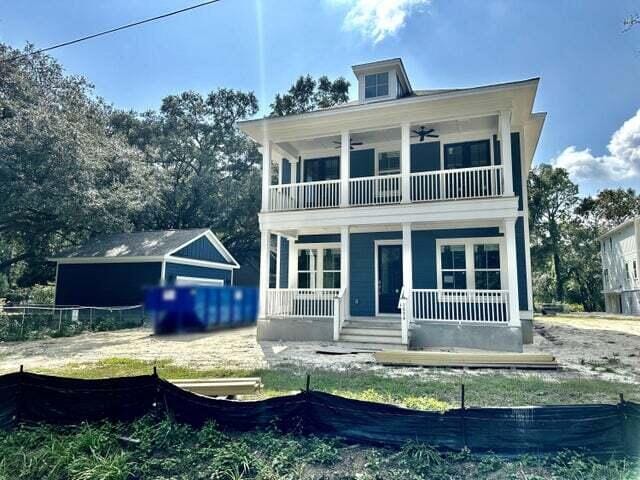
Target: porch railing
(405, 313)
(376, 190)
(306, 195)
(463, 306)
(457, 184)
(301, 302)
(339, 313)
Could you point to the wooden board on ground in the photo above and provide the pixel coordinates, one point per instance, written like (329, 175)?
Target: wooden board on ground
(218, 387)
(467, 359)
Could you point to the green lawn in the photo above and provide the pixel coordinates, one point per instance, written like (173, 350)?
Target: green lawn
(441, 390)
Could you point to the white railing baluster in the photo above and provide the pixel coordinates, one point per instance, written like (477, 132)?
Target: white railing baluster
(301, 302)
(456, 184)
(376, 190)
(463, 306)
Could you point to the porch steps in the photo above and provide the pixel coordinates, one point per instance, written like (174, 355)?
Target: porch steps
(380, 331)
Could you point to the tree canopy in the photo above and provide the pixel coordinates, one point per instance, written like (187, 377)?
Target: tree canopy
(307, 94)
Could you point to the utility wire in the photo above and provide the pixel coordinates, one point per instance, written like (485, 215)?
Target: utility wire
(112, 30)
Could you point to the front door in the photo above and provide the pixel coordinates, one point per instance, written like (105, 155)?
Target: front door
(389, 278)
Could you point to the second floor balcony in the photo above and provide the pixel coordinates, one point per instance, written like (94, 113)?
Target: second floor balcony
(427, 186)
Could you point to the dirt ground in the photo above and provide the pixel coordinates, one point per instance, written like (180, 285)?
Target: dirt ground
(585, 346)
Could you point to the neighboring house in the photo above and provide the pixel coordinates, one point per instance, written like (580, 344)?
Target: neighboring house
(113, 270)
(400, 218)
(620, 248)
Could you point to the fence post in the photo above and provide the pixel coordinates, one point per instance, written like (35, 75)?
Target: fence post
(464, 420)
(308, 381)
(22, 326)
(60, 322)
(90, 318)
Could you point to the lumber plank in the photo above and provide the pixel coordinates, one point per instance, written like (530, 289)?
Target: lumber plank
(465, 359)
(214, 387)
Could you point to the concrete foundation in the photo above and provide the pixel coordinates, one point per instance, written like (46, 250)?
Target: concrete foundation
(296, 329)
(527, 331)
(483, 337)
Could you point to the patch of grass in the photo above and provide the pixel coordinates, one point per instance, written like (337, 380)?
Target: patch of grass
(165, 450)
(439, 391)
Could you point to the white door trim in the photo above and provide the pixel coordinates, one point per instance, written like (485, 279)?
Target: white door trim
(376, 244)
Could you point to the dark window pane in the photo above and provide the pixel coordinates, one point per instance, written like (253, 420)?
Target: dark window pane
(459, 260)
(479, 155)
(454, 156)
(304, 260)
(383, 90)
(331, 280)
(454, 280)
(369, 81)
(331, 259)
(487, 280)
(479, 256)
(370, 92)
(493, 256)
(446, 257)
(304, 280)
(383, 78)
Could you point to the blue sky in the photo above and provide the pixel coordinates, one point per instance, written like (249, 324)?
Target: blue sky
(590, 69)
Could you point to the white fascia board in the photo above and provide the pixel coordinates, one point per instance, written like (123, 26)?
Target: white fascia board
(617, 228)
(217, 244)
(278, 126)
(85, 260)
(449, 211)
(199, 263)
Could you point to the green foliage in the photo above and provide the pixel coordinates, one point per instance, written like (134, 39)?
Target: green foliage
(306, 95)
(160, 449)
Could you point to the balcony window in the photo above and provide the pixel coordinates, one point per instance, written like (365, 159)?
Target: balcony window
(376, 85)
(388, 163)
(467, 154)
(319, 267)
(318, 169)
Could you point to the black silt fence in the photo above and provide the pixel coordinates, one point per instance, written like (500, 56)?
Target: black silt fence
(595, 429)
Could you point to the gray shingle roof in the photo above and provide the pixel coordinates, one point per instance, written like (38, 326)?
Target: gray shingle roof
(135, 244)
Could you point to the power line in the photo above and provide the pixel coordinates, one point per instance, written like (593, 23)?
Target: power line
(112, 30)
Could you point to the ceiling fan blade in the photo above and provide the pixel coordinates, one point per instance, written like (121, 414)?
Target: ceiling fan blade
(429, 130)
(433, 136)
(356, 143)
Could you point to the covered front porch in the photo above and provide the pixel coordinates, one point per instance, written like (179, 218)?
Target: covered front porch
(394, 282)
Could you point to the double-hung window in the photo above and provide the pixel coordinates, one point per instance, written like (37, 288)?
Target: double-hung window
(473, 264)
(319, 267)
(376, 85)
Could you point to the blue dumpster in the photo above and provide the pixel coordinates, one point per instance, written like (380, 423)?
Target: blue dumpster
(202, 308)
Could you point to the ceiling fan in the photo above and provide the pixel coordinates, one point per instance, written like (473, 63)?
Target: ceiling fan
(422, 133)
(351, 144)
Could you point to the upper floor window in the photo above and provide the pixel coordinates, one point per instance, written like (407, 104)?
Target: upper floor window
(467, 154)
(388, 163)
(318, 169)
(376, 85)
(635, 270)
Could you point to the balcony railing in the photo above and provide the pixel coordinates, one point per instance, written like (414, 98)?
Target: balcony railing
(378, 190)
(301, 302)
(452, 184)
(457, 184)
(463, 306)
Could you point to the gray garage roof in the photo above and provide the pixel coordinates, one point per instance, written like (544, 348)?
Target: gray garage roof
(135, 244)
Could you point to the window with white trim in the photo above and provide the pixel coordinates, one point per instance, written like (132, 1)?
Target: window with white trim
(626, 270)
(376, 85)
(319, 267)
(473, 264)
(635, 270)
(389, 163)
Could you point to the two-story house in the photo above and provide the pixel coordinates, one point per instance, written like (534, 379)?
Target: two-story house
(619, 248)
(399, 218)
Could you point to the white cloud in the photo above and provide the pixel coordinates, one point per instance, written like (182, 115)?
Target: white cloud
(622, 161)
(377, 19)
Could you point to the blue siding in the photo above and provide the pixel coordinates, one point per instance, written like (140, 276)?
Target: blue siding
(516, 161)
(172, 270)
(105, 284)
(423, 245)
(322, 238)
(201, 249)
(522, 265)
(284, 262)
(362, 285)
(362, 163)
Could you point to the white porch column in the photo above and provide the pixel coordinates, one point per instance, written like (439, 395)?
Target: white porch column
(512, 271)
(278, 251)
(504, 127)
(265, 237)
(405, 161)
(345, 149)
(267, 152)
(345, 261)
(407, 275)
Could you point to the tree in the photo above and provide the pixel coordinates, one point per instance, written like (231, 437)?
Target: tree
(552, 200)
(610, 207)
(306, 95)
(64, 174)
(211, 169)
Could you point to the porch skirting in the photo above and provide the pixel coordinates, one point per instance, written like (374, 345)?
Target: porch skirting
(484, 337)
(292, 329)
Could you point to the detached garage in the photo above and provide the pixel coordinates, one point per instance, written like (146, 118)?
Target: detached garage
(113, 270)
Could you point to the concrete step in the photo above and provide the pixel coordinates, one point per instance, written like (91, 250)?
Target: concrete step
(387, 324)
(377, 332)
(377, 339)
